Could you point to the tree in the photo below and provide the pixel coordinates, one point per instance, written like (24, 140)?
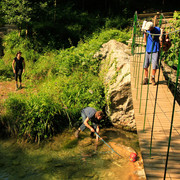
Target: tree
(17, 12)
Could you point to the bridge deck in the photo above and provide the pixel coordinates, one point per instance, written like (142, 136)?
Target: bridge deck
(155, 164)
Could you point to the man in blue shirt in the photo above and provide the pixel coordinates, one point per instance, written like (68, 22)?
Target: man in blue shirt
(151, 38)
(90, 114)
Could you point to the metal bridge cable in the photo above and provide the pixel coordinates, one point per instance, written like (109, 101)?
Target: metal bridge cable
(159, 152)
(166, 115)
(163, 34)
(139, 69)
(169, 120)
(157, 34)
(172, 118)
(148, 84)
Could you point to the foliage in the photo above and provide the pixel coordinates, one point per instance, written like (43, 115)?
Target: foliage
(66, 81)
(59, 82)
(1, 20)
(13, 43)
(57, 105)
(119, 22)
(34, 118)
(171, 58)
(5, 71)
(64, 61)
(16, 12)
(57, 24)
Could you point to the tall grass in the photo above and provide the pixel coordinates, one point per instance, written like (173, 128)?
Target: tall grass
(65, 81)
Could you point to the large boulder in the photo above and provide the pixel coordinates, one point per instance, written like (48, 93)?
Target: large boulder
(115, 72)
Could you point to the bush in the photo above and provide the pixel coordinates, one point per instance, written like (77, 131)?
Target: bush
(119, 22)
(36, 117)
(171, 57)
(6, 72)
(15, 108)
(56, 106)
(13, 43)
(66, 81)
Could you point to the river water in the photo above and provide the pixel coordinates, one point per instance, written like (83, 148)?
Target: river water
(64, 157)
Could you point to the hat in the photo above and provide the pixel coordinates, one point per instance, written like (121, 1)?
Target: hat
(149, 25)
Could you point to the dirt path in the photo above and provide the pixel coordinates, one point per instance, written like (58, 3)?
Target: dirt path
(7, 87)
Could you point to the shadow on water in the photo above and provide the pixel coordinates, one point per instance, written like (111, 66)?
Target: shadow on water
(64, 157)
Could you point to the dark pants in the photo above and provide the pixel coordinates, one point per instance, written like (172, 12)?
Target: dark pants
(18, 74)
(83, 127)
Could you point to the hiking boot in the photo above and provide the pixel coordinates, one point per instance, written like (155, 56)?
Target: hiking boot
(76, 134)
(20, 87)
(145, 81)
(153, 81)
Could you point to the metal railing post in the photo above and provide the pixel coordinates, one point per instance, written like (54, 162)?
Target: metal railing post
(138, 43)
(139, 67)
(172, 118)
(134, 33)
(154, 113)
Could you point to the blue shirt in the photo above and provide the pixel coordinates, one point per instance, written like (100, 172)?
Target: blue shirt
(150, 40)
(90, 113)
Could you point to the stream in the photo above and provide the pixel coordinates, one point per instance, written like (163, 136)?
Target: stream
(65, 157)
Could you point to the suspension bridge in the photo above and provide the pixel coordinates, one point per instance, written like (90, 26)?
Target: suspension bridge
(157, 112)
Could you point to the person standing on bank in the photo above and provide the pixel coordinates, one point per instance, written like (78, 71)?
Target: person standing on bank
(152, 51)
(90, 114)
(19, 68)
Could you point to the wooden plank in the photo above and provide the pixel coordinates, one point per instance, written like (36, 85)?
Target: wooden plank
(154, 166)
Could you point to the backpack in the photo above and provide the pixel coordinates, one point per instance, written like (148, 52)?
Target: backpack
(165, 42)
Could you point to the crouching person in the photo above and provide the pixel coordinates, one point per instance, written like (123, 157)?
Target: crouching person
(90, 114)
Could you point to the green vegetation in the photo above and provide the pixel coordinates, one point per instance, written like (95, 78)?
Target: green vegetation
(16, 12)
(59, 84)
(55, 24)
(58, 41)
(171, 58)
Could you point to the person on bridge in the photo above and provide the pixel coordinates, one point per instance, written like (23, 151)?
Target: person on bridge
(151, 38)
(19, 68)
(90, 114)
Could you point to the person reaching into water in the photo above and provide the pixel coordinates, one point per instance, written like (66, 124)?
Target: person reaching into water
(90, 114)
(19, 68)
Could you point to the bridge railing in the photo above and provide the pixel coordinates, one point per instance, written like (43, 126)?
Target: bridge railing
(171, 56)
